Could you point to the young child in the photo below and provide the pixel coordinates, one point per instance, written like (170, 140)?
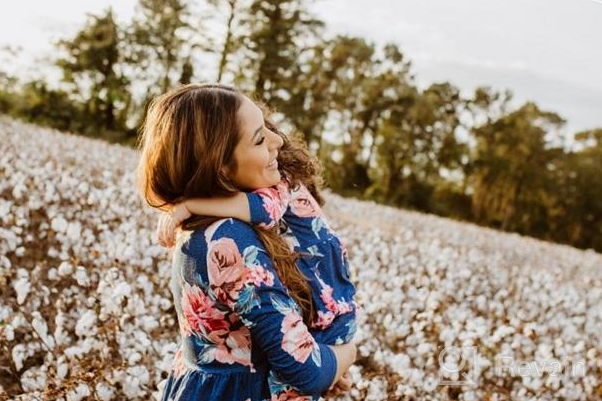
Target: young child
(303, 224)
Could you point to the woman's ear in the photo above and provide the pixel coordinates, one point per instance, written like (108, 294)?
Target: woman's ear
(225, 174)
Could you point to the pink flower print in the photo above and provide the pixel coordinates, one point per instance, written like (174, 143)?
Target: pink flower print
(236, 348)
(290, 395)
(303, 204)
(326, 296)
(179, 367)
(274, 202)
(324, 320)
(297, 340)
(200, 314)
(260, 275)
(343, 307)
(227, 273)
(184, 326)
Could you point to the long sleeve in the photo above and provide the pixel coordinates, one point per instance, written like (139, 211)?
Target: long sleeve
(241, 276)
(268, 205)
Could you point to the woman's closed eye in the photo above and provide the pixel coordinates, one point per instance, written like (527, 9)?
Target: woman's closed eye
(261, 140)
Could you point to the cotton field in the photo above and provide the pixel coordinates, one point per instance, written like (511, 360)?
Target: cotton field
(450, 311)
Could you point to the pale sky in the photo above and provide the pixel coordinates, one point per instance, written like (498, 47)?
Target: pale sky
(549, 51)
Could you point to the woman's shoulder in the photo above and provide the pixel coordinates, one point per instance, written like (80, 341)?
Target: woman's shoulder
(196, 242)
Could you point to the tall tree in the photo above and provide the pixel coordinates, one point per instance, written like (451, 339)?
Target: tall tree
(511, 156)
(418, 141)
(92, 68)
(274, 34)
(573, 199)
(231, 10)
(156, 39)
(363, 89)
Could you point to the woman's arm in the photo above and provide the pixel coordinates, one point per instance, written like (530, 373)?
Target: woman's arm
(345, 354)
(249, 285)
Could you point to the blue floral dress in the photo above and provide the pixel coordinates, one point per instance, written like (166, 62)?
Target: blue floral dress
(243, 338)
(324, 256)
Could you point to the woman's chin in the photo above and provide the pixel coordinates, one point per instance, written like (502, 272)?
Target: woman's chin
(273, 177)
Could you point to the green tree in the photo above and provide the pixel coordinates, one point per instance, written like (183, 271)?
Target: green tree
(92, 68)
(574, 201)
(510, 165)
(365, 89)
(274, 35)
(156, 40)
(232, 10)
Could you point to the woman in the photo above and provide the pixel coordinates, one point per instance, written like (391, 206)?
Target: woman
(243, 305)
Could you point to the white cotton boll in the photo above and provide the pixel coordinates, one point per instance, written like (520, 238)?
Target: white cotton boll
(159, 392)
(149, 323)
(79, 393)
(121, 290)
(53, 253)
(19, 190)
(65, 269)
(19, 354)
(400, 363)
(61, 369)
(134, 358)
(104, 392)
(10, 239)
(34, 379)
(131, 387)
(430, 383)
(83, 187)
(53, 274)
(22, 288)
(40, 326)
(5, 262)
(60, 335)
(5, 208)
(59, 224)
(74, 230)
(9, 333)
(81, 276)
(165, 304)
(86, 325)
(377, 390)
(424, 348)
(142, 339)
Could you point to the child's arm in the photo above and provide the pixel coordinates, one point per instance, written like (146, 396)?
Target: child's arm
(234, 206)
(264, 207)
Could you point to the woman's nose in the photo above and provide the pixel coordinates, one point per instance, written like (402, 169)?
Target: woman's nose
(277, 140)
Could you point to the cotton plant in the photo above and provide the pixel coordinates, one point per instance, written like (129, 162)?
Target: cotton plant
(86, 311)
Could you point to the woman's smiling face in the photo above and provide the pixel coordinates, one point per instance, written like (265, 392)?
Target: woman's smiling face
(256, 152)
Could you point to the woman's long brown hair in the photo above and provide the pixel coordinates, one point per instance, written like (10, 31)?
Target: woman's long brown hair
(188, 135)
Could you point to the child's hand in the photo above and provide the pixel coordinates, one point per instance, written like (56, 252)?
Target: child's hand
(343, 385)
(168, 222)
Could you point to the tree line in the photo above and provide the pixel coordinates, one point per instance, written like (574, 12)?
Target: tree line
(357, 104)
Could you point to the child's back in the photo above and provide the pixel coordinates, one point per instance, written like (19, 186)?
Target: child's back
(324, 257)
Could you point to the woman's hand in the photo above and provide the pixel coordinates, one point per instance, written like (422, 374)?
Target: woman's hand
(168, 222)
(343, 385)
